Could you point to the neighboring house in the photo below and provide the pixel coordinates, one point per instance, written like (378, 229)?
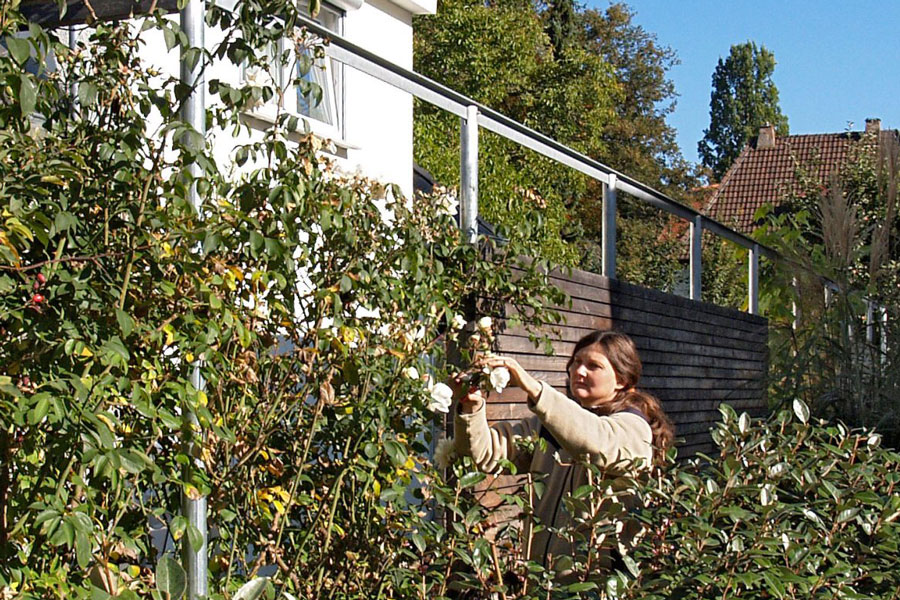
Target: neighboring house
(767, 170)
(369, 122)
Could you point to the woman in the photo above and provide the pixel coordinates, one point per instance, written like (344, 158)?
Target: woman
(606, 420)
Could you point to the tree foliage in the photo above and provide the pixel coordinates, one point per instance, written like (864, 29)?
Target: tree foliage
(743, 99)
(592, 80)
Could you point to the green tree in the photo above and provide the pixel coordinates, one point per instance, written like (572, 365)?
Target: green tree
(500, 55)
(595, 81)
(639, 141)
(743, 99)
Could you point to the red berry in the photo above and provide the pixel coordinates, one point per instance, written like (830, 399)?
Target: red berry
(36, 285)
(41, 278)
(37, 298)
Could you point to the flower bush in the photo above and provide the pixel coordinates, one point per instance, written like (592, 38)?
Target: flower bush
(268, 351)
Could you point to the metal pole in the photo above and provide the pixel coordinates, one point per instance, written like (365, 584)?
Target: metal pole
(696, 252)
(194, 114)
(753, 286)
(468, 174)
(609, 228)
(795, 308)
(870, 321)
(884, 334)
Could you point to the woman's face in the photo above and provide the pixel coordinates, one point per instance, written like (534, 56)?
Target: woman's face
(592, 381)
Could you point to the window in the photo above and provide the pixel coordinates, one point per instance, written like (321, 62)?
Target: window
(318, 96)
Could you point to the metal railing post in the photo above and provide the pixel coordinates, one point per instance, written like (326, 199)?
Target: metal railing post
(753, 291)
(884, 334)
(468, 174)
(609, 228)
(696, 257)
(795, 308)
(194, 114)
(870, 321)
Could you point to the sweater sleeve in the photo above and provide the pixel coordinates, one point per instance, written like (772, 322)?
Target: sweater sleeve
(619, 438)
(489, 445)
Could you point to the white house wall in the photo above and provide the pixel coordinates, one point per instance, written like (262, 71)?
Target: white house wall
(377, 125)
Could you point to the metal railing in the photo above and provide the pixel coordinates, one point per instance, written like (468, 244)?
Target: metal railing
(474, 115)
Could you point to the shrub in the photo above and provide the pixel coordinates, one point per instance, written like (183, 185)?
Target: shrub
(268, 350)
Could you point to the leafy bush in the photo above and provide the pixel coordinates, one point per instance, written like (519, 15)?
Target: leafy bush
(269, 350)
(786, 509)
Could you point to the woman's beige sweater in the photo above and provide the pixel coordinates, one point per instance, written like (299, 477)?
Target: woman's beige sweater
(617, 442)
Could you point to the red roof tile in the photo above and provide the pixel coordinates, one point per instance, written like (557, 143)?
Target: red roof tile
(767, 175)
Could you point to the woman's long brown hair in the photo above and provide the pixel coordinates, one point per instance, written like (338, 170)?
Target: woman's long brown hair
(622, 354)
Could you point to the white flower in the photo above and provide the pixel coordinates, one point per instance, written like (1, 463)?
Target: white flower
(411, 373)
(366, 313)
(777, 469)
(499, 379)
(458, 322)
(767, 494)
(444, 453)
(485, 324)
(874, 440)
(447, 204)
(441, 397)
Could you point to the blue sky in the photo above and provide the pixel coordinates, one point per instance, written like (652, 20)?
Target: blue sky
(838, 61)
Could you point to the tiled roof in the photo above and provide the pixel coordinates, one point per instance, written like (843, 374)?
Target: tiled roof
(766, 175)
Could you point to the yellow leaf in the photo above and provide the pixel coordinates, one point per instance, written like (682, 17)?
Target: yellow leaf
(279, 507)
(86, 352)
(376, 487)
(52, 179)
(189, 357)
(107, 421)
(202, 398)
(170, 334)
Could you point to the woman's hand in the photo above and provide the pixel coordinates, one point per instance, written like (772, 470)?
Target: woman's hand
(471, 402)
(518, 376)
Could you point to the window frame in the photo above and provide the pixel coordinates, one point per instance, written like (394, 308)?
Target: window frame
(332, 18)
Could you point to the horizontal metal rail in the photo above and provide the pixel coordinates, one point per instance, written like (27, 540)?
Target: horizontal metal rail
(456, 103)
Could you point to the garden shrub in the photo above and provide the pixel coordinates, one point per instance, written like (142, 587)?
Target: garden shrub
(274, 350)
(786, 508)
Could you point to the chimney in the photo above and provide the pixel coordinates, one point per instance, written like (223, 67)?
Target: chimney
(766, 137)
(873, 126)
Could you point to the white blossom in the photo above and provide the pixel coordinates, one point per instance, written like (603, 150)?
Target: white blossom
(499, 378)
(441, 398)
(777, 469)
(485, 324)
(411, 373)
(447, 204)
(458, 322)
(444, 453)
(767, 494)
(874, 440)
(367, 313)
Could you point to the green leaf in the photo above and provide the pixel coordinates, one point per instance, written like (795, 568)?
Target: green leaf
(170, 578)
(396, 452)
(87, 94)
(27, 95)
(40, 410)
(126, 323)
(194, 537)
(470, 479)
(418, 541)
(252, 590)
(19, 49)
(82, 549)
(582, 586)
